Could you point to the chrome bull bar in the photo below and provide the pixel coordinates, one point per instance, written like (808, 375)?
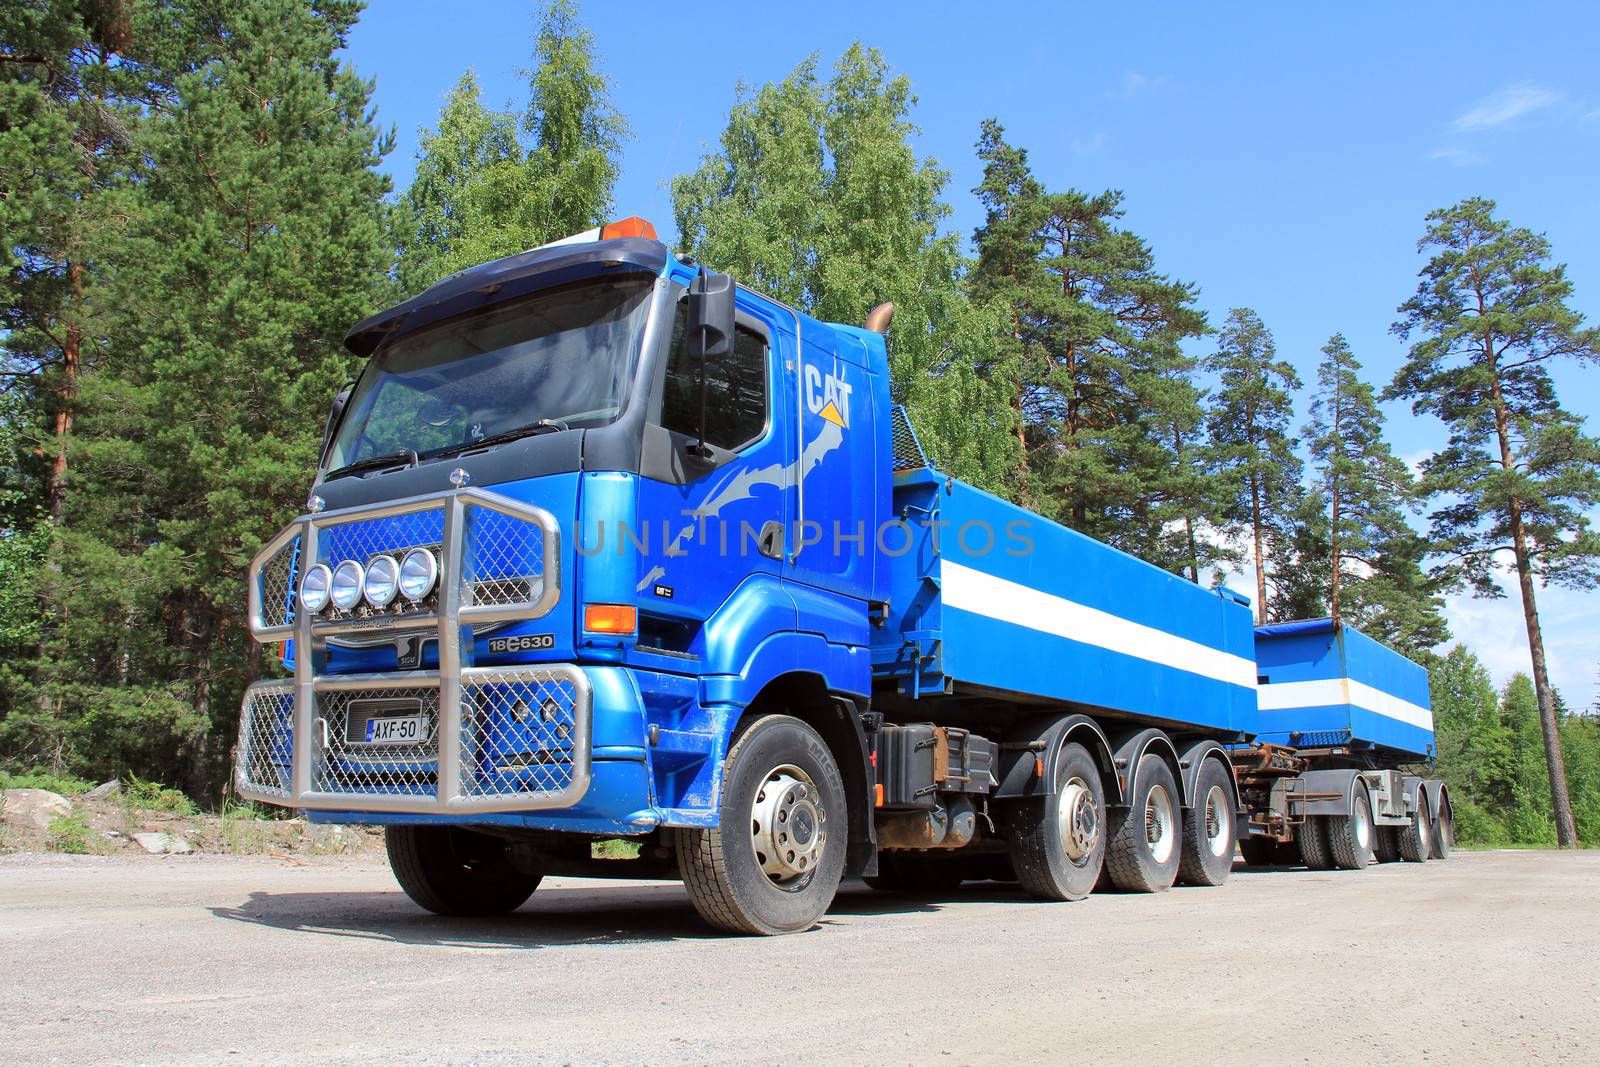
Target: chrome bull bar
(519, 738)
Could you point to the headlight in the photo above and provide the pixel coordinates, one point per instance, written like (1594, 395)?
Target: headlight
(314, 588)
(382, 575)
(345, 589)
(419, 571)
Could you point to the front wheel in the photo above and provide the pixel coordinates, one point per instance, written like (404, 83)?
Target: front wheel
(773, 864)
(451, 871)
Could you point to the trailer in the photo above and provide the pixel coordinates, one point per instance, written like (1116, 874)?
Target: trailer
(604, 545)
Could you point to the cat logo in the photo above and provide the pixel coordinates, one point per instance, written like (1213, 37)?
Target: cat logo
(828, 397)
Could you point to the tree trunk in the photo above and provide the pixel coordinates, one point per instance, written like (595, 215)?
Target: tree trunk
(1261, 561)
(1333, 553)
(1560, 800)
(71, 363)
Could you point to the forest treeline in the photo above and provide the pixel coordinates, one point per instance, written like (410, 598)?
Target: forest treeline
(194, 214)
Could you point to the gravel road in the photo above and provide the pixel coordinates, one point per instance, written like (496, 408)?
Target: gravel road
(1487, 958)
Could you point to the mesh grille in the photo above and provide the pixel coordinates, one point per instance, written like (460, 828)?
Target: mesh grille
(908, 453)
(364, 538)
(351, 759)
(516, 733)
(277, 579)
(1321, 739)
(265, 752)
(504, 560)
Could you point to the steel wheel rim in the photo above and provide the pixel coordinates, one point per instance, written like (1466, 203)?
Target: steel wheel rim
(1363, 827)
(788, 827)
(1077, 821)
(1158, 833)
(1218, 839)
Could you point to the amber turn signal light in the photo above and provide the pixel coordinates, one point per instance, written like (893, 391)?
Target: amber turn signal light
(632, 226)
(610, 618)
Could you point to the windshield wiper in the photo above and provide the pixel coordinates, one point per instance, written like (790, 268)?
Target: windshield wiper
(373, 463)
(530, 430)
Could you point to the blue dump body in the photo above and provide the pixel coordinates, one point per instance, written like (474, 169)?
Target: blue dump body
(994, 599)
(1322, 686)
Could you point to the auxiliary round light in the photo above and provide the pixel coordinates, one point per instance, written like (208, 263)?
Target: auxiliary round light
(345, 589)
(419, 573)
(314, 588)
(382, 582)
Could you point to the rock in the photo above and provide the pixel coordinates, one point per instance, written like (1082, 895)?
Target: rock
(162, 844)
(38, 806)
(104, 791)
(322, 838)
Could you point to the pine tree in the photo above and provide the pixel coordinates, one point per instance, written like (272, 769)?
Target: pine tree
(816, 195)
(481, 191)
(1375, 578)
(1095, 340)
(1249, 429)
(1519, 474)
(1297, 588)
(254, 241)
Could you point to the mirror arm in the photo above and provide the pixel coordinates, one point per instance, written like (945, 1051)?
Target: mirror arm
(699, 448)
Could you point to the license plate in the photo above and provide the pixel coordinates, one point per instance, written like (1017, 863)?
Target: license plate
(394, 730)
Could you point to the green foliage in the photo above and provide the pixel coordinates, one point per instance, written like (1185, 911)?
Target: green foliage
(1375, 572)
(149, 796)
(1101, 388)
(44, 778)
(70, 832)
(481, 192)
(816, 195)
(1254, 452)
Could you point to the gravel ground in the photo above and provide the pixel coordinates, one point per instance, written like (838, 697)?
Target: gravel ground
(1490, 957)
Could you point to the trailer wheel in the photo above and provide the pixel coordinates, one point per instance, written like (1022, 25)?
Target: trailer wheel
(1208, 830)
(1386, 845)
(773, 864)
(1415, 840)
(1315, 852)
(916, 874)
(1145, 848)
(1444, 832)
(1351, 836)
(1058, 842)
(451, 871)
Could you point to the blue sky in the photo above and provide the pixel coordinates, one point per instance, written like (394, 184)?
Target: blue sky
(1281, 158)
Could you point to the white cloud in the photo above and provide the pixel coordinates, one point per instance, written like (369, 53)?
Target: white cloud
(1456, 157)
(1088, 146)
(1504, 107)
(1135, 84)
(1496, 632)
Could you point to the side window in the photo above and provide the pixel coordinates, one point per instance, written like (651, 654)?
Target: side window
(736, 389)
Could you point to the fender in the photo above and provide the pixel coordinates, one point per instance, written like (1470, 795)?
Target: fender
(1190, 762)
(1040, 740)
(1340, 780)
(1130, 749)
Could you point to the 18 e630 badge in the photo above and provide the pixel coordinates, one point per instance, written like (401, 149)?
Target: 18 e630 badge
(523, 643)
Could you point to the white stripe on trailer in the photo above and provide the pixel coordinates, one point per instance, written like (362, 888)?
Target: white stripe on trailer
(1006, 601)
(1291, 696)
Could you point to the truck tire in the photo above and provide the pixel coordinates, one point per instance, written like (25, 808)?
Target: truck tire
(1351, 836)
(1058, 842)
(773, 864)
(1208, 831)
(1444, 832)
(452, 871)
(1315, 852)
(1416, 842)
(1386, 845)
(899, 873)
(1145, 846)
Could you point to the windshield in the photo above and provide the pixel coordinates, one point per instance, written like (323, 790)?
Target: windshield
(562, 357)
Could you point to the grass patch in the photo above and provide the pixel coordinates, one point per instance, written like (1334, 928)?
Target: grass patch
(40, 778)
(151, 796)
(614, 848)
(70, 833)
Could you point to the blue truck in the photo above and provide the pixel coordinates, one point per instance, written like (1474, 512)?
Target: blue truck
(604, 545)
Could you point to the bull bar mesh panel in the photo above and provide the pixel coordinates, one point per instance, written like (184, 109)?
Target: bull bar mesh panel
(503, 565)
(518, 729)
(275, 584)
(345, 761)
(265, 739)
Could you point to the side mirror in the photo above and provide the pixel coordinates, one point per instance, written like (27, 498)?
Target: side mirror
(335, 412)
(710, 333)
